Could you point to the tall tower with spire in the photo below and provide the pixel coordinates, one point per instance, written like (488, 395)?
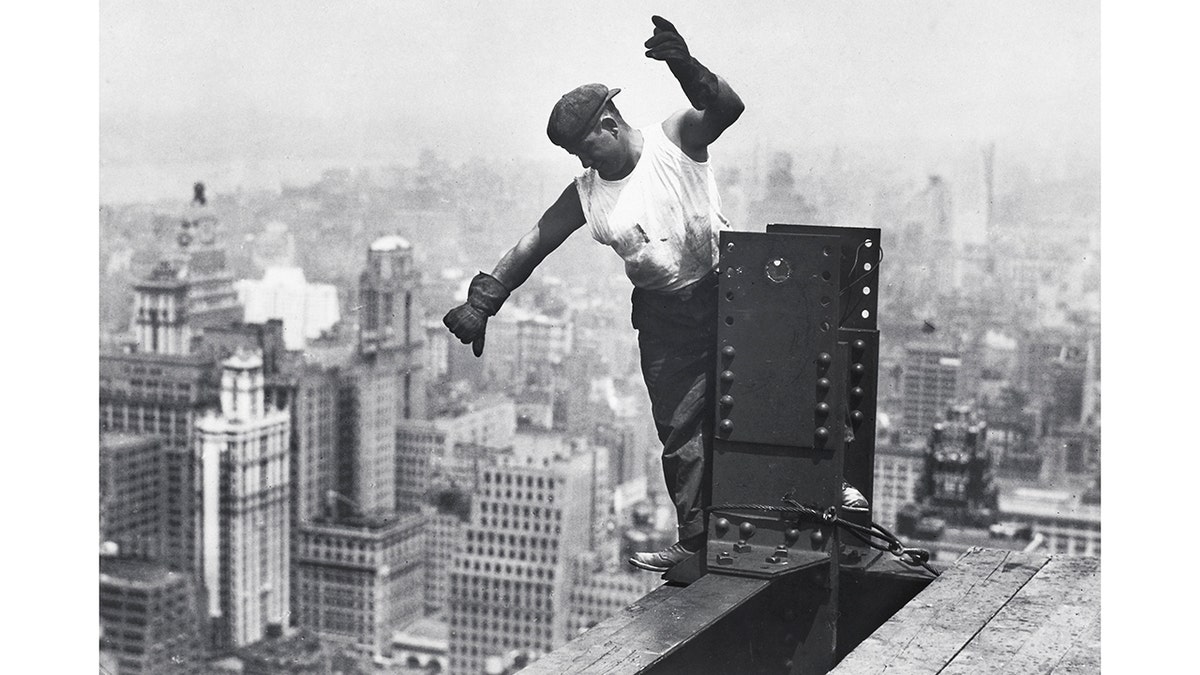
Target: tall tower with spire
(389, 315)
(189, 290)
(244, 514)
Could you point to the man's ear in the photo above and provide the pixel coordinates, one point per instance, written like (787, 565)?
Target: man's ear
(609, 125)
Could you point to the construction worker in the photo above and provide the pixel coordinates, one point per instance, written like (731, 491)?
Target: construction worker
(651, 195)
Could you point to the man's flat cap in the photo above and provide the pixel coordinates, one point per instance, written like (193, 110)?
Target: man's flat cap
(577, 112)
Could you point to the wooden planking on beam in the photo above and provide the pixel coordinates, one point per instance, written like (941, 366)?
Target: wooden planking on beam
(1084, 657)
(1037, 628)
(629, 643)
(928, 632)
(558, 660)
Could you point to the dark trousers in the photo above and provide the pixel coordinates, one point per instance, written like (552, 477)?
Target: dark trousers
(677, 340)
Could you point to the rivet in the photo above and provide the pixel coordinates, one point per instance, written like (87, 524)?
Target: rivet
(726, 401)
(791, 536)
(728, 351)
(821, 434)
(722, 526)
(726, 425)
(727, 375)
(823, 384)
(823, 408)
(746, 530)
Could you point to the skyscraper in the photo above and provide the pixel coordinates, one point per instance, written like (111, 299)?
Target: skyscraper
(133, 484)
(930, 382)
(531, 516)
(382, 383)
(366, 415)
(359, 579)
(149, 618)
(163, 395)
(432, 451)
(388, 293)
(958, 474)
(244, 460)
(161, 387)
(307, 309)
(898, 468)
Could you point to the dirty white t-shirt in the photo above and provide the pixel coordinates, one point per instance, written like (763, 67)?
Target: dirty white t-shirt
(663, 218)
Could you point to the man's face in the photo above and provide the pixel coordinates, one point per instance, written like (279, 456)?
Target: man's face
(600, 150)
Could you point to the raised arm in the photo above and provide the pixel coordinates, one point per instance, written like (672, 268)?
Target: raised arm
(488, 292)
(715, 105)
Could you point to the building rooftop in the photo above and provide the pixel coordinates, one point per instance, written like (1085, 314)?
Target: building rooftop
(390, 243)
(426, 632)
(244, 360)
(134, 571)
(121, 440)
(359, 524)
(1048, 504)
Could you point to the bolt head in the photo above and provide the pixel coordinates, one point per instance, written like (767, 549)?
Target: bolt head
(817, 538)
(746, 530)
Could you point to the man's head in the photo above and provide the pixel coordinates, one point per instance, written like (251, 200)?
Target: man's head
(586, 124)
(576, 114)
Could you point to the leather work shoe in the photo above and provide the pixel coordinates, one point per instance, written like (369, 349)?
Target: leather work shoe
(661, 561)
(852, 499)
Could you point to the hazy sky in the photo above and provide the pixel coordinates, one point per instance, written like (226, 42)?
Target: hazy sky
(257, 80)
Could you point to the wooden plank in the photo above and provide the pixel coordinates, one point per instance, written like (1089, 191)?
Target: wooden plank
(1084, 656)
(1039, 625)
(930, 630)
(660, 629)
(555, 661)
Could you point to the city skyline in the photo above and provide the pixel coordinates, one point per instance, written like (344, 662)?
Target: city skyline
(561, 167)
(264, 92)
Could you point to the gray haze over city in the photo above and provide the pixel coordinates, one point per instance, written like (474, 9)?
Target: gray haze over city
(334, 140)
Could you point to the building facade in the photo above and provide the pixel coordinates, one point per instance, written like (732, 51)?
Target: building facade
(163, 396)
(149, 618)
(437, 452)
(930, 382)
(307, 309)
(898, 468)
(358, 580)
(246, 523)
(133, 480)
(530, 517)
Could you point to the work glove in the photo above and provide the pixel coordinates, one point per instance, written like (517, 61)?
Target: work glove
(698, 82)
(468, 321)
